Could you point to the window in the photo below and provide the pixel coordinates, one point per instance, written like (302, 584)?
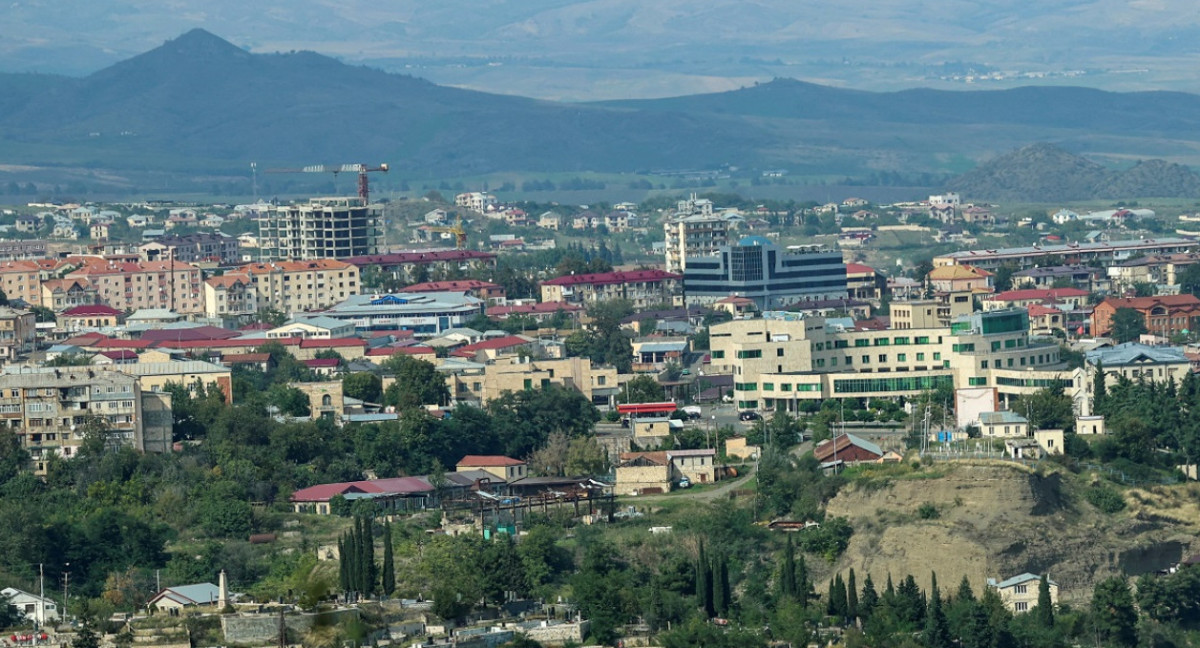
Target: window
(718, 354)
(900, 340)
(1019, 589)
(768, 386)
(996, 345)
(866, 359)
(924, 339)
(881, 341)
(937, 355)
(977, 382)
(901, 357)
(920, 357)
(751, 353)
(883, 357)
(779, 352)
(1021, 606)
(862, 343)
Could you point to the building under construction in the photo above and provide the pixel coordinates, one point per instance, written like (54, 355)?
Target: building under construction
(322, 228)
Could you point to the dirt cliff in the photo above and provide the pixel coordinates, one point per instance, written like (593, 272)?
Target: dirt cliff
(995, 520)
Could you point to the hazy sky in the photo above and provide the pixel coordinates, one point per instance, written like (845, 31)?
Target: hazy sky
(580, 49)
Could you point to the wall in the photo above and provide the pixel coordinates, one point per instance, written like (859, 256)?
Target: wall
(264, 628)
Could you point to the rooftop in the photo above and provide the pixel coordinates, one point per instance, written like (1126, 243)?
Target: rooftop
(1131, 353)
(603, 278)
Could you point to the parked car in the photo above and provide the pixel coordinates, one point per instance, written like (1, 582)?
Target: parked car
(685, 483)
(749, 416)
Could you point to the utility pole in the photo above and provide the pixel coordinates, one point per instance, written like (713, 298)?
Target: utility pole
(66, 582)
(42, 595)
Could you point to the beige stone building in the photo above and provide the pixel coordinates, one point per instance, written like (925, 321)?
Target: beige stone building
(325, 399)
(777, 362)
(132, 285)
(652, 472)
(504, 468)
(479, 384)
(49, 409)
(193, 374)
(295, 286)
(1020, 593)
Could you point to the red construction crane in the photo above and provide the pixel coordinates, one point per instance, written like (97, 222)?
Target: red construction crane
(364, 188)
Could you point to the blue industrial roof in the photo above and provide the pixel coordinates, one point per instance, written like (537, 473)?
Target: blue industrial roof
(1135, 353)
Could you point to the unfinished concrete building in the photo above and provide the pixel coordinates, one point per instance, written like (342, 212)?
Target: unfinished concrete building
(322, 228)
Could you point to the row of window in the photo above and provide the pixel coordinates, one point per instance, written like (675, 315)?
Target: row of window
(908, 383)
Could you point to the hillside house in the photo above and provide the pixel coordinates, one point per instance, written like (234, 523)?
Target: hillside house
(1020, 593)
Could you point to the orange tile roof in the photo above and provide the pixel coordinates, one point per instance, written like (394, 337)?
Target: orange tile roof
(295, 266)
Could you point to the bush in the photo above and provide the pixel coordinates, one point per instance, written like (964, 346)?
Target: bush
(928, 511)
(1105, 498)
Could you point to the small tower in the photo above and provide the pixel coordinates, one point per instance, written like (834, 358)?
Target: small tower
(222, 591)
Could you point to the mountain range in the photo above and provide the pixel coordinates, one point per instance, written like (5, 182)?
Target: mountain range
(200, 105)
(590, 49)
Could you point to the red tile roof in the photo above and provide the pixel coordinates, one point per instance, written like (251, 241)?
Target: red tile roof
(449, 286)
(86, 339)
(321, 363)
(858, 268)
(487, 461)
(388, 351)
(1037, 310)
(124, 354)
(93, 310)
(506, 342)
(1142, 303)
(1039, 294)
(194, 333)
(113, 343)
(245, 358)
(604, 278)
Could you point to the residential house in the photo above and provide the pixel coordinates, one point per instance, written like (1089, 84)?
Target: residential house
(1136, 361)
(1002, 425)
(96, 316)
(61, 294)
(34, 608)
(1020, 593)
(230, 295)
(959, 278)
(847, 449)
(179, 597)
(18, 333)
(505, 468)
(295, 286)
(316, 327)
(1067, 298)
(641, 473)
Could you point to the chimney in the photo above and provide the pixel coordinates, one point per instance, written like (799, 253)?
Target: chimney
(222, 591)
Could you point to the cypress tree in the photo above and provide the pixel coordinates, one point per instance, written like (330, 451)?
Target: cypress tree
(726, 590)
(1045, 607)
(937, 628)
(851, 597)
(1099, 390)
(830, 606)
(370, 569)
(343, 580)
(389, 567)
(720, 586)
(802, 586)
(787, 576)
(704, 584)
(868, 600)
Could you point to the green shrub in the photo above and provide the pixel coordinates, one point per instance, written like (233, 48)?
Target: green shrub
(928, 511)
(1105, 498)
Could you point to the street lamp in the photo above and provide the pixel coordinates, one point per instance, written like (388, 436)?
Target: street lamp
(66, 582)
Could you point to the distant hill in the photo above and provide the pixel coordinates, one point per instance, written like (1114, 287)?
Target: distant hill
(200, 107)
(198, 99)
(1046, 173)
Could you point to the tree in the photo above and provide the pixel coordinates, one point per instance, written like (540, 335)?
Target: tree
(389, 565)
(1144, 289)
(9, 614)
(86, 637)
(1045, 607)
(43, 314)
(720, 586)
(585, 456)
(1189, 281)
(364, 386)
(704, 583)
(937, 629)
(851, 596)
(418, 383)
(787, 571)
(1113, 613)
(1127, 325)
(868, 599)
(1047, 408)
(642, 389)
(1099, 386)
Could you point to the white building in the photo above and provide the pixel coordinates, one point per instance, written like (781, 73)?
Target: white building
(37, 609)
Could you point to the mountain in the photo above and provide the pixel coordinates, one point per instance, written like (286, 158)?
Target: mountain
(1046, 173)
(198, 100)
(540, 47)
(200, 107)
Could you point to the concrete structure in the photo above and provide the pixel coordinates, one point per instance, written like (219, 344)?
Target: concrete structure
(959, 278)
(316, 327)
(644, 288)
(489, 292)
(194, 375)
(1020, 593)
(34, 608)
(1069, 298)
(479, 383)
(1052, 442)
(426, 314)
(50, 410)
(936, 312)
(1164, 315)
(293, 286)
(779, 361)
(1072, 253)
(1089, 425)
(502, 467)
(766, 273)
(323, 228)
(865, 282)
(18, 333)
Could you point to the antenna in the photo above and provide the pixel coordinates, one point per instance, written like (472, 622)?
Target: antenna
(254, 179)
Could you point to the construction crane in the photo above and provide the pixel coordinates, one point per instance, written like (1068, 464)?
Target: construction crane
(364, 188)
(460, 233)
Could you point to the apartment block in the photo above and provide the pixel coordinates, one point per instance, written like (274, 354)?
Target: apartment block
(230, 295)
(644, 288)
(131, 285)
(479, 383)
(18, 333)
(1164, 315)
(322, 228)
(211, 247)
(778, 362)
(296, 286)
(48, 409)
(1071, 253)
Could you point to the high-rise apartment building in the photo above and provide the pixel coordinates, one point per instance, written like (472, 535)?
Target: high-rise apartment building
(695, 230)
(322, 228)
